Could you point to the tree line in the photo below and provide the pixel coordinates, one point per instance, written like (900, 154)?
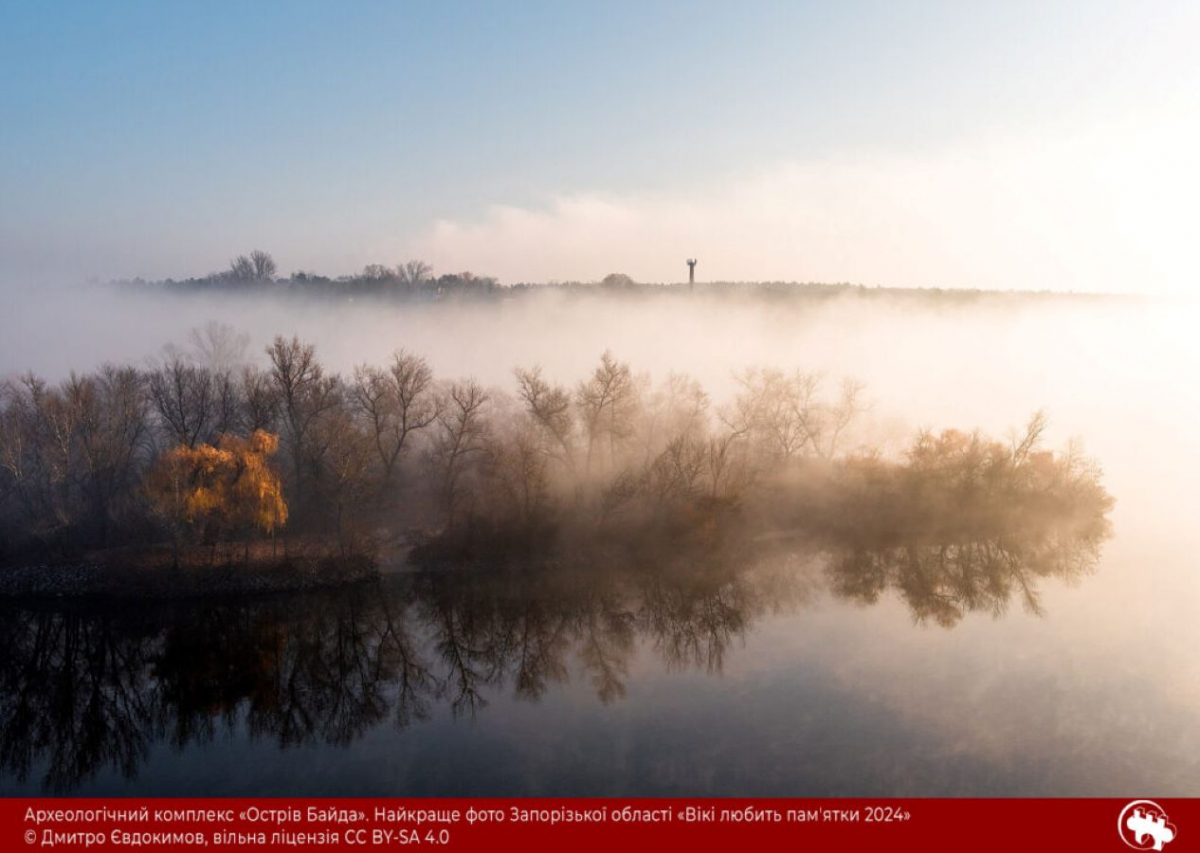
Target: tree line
(257, 272)
(209, 449)
(414, 281)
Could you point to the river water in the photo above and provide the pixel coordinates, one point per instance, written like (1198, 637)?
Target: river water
(758, 677)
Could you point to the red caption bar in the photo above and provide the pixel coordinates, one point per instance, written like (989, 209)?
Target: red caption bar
(600, 824)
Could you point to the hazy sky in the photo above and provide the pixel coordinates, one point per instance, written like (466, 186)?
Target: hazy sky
(1013, 144)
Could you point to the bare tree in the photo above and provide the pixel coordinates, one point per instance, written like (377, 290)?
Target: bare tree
(258, 399)
(377, 272)
(218, 346)
(346, 484)
(24, 461)
(842, 414)
(727, 469)
(607, 402)
(549, 408)
(678, 408)
(241, 268)
(676, 473)
(1025, 444)
(783, 417)
(257, 266)
(414, 273)
(71, 453)
(227, 405)
(184, 398)
(264, 265)
(305, 395)
(461, 438)
(110, 409)
(397, 403)
(517, 467)
(52, 426)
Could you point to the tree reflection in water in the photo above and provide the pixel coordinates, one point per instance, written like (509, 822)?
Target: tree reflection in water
(89, 689)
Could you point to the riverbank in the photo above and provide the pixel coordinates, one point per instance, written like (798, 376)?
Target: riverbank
(141, 577)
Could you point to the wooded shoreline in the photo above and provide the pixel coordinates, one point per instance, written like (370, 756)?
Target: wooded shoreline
(98, 578)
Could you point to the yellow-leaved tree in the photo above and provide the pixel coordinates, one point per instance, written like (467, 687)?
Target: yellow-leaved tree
(219, 492)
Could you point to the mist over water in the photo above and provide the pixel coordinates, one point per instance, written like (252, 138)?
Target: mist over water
(1116, 372)
(1095, 695)
(595, 520)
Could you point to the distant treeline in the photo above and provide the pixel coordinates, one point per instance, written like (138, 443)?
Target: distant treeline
(415, 281)
(213, 454)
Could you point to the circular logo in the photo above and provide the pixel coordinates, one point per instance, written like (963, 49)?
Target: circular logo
(1143, 825)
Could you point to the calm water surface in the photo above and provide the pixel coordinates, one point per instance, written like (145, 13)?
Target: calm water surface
(791, 673)
(797, 675)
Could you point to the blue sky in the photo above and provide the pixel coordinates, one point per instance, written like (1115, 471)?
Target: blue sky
(161, 138)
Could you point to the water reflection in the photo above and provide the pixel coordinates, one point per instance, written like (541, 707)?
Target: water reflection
(944, 575)
(91, 690)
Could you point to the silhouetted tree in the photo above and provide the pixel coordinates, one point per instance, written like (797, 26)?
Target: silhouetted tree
(397, 403)
(459, 441)
(607, 403)
(185, 398)
(549, 409)
(305, 395)
(264, 265)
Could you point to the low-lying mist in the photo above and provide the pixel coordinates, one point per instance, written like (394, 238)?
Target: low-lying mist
(1097, 366)
(943, 500)
(987, 362)
(210, 445)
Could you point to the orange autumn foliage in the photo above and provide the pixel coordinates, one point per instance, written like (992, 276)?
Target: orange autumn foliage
(223, 488)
